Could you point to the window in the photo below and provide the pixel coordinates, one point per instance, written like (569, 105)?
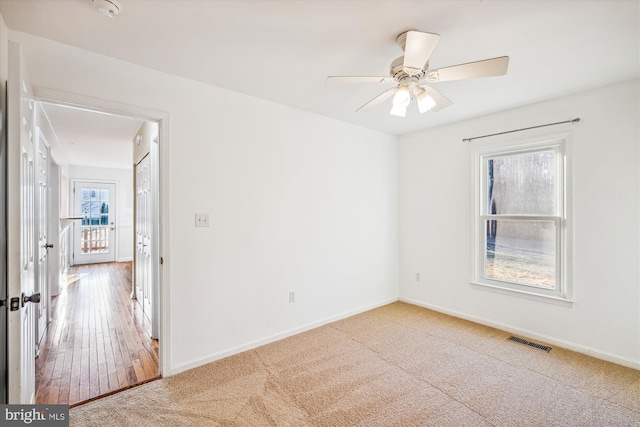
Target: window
(520, 218)
(94, 237)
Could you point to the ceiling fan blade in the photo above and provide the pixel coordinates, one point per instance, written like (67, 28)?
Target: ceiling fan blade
(486, 68)
(379, 99)
(359, 79)
(417, 50)
(440, 100)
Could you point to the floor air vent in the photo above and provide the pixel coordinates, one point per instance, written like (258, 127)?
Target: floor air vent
(529, 343)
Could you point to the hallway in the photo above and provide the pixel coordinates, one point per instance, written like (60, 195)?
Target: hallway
(96, 343)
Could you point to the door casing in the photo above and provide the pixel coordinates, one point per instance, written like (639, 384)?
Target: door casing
(163, 165)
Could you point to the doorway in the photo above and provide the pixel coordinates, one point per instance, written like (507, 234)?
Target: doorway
(94, 237)
(100, 282)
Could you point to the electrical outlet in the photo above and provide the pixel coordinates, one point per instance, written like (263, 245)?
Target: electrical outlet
(202, 220)
(292, 296)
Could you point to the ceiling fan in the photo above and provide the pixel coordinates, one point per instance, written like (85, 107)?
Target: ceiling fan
(411, 73)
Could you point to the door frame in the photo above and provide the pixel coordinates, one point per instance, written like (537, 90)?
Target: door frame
(67, 99)
(77, 225)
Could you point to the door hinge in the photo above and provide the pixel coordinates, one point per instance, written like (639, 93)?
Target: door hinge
(161, 260)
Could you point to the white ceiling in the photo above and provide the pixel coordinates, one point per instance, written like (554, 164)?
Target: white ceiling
(283, 50)
(93, 139)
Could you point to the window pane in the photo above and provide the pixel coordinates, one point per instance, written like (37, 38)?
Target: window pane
(104, 213)
(95, 209)
(521, 252)
(85, 205)
(86, 194)
(522, 184)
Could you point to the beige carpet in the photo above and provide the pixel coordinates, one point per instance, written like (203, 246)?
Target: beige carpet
(398, 365)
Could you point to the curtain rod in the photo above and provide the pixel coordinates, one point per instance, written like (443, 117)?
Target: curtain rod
(519, 130)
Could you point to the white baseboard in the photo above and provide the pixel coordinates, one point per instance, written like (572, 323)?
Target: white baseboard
(578, 348)
(273, 338)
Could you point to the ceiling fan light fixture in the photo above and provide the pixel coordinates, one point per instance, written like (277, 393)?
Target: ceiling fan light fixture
(411, 72)
(110, 8)
(398, 110)
(402, 97)
(425, 102)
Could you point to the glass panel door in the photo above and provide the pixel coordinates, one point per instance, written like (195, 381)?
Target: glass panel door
(94, 239)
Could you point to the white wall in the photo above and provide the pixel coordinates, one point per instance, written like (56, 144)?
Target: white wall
(297, 202)
(124, 202)
(435, 224)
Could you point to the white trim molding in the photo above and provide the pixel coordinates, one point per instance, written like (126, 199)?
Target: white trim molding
(162, 118)
(273, 338)
(568, 345)
(561, 218)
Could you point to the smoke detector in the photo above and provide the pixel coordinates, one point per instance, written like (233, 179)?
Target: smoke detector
(110, 8)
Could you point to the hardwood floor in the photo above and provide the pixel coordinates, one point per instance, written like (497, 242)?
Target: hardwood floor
(96, 343)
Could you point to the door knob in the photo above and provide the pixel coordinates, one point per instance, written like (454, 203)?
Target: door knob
(48, 245)
(34, 298)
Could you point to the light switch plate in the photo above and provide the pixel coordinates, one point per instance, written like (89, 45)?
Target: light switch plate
(202, 220)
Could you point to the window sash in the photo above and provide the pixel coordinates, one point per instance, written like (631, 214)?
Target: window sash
(558, 253)
(482, 153)
(559, 173)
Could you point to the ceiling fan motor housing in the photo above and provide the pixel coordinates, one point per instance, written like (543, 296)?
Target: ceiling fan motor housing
(398, 73)
(402, 39)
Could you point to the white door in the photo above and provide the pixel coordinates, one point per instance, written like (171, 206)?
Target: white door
(42, 211)
(147, 220)
(94, 237)
(144, 231)
(20, 230)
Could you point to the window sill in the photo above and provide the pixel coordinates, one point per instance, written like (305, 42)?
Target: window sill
(550, 299)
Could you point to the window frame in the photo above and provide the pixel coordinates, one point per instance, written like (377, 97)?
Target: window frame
(481, 152)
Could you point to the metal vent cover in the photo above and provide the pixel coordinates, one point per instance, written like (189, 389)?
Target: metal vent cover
(529, 343)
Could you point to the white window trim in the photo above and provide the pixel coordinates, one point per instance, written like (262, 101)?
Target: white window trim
(564, 294)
